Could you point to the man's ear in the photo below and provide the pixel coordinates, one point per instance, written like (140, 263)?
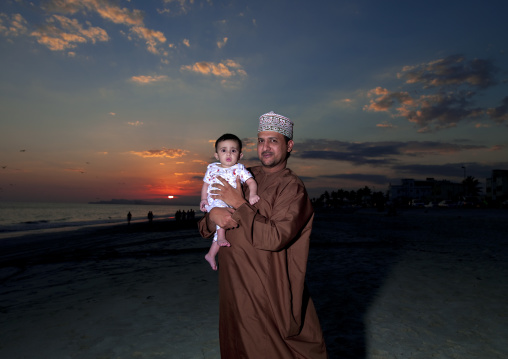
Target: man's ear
(290, 145)
(216, 156)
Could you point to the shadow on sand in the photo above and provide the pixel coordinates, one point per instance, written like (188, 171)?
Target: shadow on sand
(349, 258)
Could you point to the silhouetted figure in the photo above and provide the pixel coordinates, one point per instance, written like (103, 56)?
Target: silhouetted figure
(129, 217)
(178, 216)
(150, 217)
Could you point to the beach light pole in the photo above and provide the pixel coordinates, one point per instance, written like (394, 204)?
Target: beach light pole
(464, 182)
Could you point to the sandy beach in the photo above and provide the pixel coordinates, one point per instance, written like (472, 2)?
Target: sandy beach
(421, 284)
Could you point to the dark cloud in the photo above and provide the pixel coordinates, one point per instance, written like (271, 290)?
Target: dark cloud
(499, 114)
(454, 71)
(376, 153)
(441, 111)
(443, 93)
(360, 177)
(342, 156)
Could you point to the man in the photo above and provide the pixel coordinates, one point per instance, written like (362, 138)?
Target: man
(265, 309)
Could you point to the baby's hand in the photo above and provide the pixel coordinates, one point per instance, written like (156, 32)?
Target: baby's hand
(253, 199)
(202, 205)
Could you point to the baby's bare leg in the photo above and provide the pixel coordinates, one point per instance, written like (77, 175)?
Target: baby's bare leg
(221, 238)
(212, 253)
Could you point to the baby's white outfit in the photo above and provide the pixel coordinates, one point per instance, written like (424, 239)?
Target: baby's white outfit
(229, 174)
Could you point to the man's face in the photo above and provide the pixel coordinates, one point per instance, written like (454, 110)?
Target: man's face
(228, 153)
(273, 150)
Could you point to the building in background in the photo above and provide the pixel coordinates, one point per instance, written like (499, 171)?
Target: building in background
(496, 190)
(428, 190)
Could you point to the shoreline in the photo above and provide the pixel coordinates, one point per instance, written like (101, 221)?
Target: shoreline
(76, 244)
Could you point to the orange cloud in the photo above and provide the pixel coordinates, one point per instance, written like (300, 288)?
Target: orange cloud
(104, 8)
(226, 69)
(345, 102)
(480, 125)
(201, 162)
(146, 80)
(116, 14)
(13, 26)
(62, 33)
(192, 174)
(450, 86)
(52, 37)
(164, 153)
(386, 99)
(152, 37)
(386, 125)
(222, 43)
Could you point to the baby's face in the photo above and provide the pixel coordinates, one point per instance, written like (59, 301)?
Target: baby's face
(228, 153)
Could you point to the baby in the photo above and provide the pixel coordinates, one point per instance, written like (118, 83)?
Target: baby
(228, 151)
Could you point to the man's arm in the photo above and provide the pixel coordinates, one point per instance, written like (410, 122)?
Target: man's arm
(217, 216)
(276, 227)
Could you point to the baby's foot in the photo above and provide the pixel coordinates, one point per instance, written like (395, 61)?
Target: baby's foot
(223, 242)
(211, 259)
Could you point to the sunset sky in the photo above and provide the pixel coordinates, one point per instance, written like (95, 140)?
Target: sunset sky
(124, 99)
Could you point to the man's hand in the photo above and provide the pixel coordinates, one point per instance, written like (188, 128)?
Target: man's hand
(233, 197)
(222, 217)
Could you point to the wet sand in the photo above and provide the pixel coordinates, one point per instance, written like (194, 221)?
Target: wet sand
(422, 284)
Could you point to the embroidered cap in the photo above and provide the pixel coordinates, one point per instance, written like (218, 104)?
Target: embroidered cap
(273, 122)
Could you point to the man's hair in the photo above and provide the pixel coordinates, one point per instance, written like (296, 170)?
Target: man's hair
(287, 140)
(229, 136)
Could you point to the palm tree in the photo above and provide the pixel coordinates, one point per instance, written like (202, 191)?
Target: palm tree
(471, 186)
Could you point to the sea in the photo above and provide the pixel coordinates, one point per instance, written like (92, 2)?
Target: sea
(24, 218)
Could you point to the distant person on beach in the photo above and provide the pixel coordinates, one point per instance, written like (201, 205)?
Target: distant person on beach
(228, 151)
(264, 306)
(129, 217)
(150, 217)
